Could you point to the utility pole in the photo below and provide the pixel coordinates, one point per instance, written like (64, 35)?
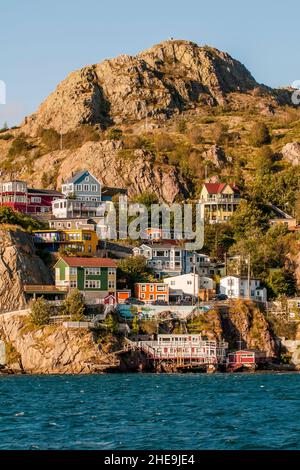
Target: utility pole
(249, 274)
(194, 277)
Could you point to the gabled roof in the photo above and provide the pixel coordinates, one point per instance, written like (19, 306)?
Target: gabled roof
(81, 262)
(78, 175)
(45, 192)
(218, 188)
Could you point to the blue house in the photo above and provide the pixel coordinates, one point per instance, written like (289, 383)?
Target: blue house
(82, 186)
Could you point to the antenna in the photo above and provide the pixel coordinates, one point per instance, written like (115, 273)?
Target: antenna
(240, 342)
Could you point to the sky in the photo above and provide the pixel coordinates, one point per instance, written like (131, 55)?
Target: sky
(43, 41)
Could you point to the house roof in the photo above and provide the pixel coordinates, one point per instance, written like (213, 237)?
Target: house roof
(217, 188)
(78, 175)
(44, 192)
(77, 262)
(107, 191)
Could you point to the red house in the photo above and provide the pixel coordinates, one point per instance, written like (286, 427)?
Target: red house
(18, 196)
(241, 358)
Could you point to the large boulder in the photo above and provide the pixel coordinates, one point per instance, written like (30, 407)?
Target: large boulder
(291, 153)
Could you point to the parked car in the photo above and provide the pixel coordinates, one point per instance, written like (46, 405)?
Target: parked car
(159, 302)
(134, 301)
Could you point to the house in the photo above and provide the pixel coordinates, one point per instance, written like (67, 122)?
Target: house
(190, 285)
(186, 348)
(219, 201)
(279, 217)
(150, 292)
(245, 358)
(82, 197)
(18, 196)
(95, 278)
(236, 287)
(82, 241)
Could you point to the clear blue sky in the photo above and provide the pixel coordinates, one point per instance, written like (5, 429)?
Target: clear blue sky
(42, 41)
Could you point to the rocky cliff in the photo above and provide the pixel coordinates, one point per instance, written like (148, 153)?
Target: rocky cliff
(162, 81)
(53, 349)
(19, 265)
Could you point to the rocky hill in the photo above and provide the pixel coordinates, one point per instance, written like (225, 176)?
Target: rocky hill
(151, 122)
(167, 79)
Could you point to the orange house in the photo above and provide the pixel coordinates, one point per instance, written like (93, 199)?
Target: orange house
(152, 291)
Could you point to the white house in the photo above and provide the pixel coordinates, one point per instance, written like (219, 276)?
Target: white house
(238, 288)
(189, 284)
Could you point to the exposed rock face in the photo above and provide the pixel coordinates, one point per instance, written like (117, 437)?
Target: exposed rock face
(245, 322)
(216, 155)
(18, 266)
(137, 174)
(168, 78)
(53, 349)
(291, 152)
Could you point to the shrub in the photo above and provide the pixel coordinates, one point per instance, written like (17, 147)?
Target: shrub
(19, 146)
(40, 312)
(9, 216)
(115, 134)
(6, 136)
(181, 126)
(221, 133)
(51, 138)
(259, 135)
(164, 143)
(74, 305)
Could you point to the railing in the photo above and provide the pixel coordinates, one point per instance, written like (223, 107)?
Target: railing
(221, 200)
(44, 288)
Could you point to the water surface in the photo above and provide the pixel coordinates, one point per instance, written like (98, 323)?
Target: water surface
(136, 411)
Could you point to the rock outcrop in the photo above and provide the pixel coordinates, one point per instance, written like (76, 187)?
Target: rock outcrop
(19, 265)
(104, 159)
(216, 155)
(291, 153)
(53, 349)
(162, 81)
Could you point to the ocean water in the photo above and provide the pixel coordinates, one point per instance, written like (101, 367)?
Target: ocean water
(135, 411)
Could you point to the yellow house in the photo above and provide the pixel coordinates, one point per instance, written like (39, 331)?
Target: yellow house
(81, 241)
(220, 200)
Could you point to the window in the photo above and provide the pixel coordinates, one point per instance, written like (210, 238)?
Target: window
(143, 288)
(177, 253)
(111, 284)
(151, 288)
(94, 188)
(73, 271)
(111, 271)
(87, 178)
(173, 283)
(92, 284)
(142, 296)
(79, 187)
(36, 199)
(161, 288)
(92, 271)
(73, 284)
(189, 283)
(151, 297)
(86, 187)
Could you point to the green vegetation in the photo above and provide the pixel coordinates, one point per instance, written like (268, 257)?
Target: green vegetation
(19, 146)
(111, 324)
(73, 306)
(132, 270)
(40, 312)
(115, 134)
(259, 135)
(11, 217)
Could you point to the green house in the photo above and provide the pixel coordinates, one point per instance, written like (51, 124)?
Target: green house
(94, 277)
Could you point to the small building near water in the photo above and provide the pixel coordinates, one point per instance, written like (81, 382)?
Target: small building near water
(245, 357)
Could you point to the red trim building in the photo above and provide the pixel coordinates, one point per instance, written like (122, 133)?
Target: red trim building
(18, 196)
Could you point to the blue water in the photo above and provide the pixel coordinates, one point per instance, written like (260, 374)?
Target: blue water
(260, 411)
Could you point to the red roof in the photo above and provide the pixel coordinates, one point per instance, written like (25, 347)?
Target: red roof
(217, 188)
(75, 262)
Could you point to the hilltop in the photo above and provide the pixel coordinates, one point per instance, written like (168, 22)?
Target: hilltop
(153, 122)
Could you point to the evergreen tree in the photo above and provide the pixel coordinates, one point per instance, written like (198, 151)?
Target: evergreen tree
(74, 306)
(40, 312)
